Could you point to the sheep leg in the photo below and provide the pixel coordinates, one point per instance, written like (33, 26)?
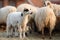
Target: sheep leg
(7, 30)
(43, 33)
(50, 34)
(23, 32)
(16, 34)
(20, 31)
(11, 32)
(42, 27)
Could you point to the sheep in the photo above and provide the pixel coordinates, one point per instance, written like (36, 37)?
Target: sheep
(43, 17)
(18, 19)
(4, 11)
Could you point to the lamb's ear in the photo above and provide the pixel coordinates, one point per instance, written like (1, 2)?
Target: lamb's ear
(26, 10)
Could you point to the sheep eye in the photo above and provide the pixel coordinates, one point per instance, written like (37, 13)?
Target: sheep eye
(21, 14)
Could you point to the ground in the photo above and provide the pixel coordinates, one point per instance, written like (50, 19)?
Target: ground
(33, 36)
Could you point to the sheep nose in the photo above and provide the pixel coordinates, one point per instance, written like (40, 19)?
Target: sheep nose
(21, 14)
(31, 12)
(26, 10)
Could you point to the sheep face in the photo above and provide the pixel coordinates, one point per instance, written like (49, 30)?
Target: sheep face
(27, 11)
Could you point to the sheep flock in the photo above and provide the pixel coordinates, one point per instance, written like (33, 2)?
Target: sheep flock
(17, 18)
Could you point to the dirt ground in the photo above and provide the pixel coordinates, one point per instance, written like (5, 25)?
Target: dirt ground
(33, 36)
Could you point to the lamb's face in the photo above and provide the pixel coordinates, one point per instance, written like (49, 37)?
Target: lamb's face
(27, 11)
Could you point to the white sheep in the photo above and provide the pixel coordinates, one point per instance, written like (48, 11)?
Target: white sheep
(4, 12)
(44, 16)
(20, 20)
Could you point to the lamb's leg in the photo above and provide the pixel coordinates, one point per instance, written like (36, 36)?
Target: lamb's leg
(24, 30)
(52, 25)
(7, 30)
(16, 34)
(20, 31)
(11, 32)
(51, 29)
(24, 34)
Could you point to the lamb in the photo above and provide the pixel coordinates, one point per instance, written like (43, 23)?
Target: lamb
(18, 19)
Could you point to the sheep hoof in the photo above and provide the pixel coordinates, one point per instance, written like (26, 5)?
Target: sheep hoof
(16, 36)
(26, 34)
(11, 36)
(43, 37)
(7, 36)
(50, 37)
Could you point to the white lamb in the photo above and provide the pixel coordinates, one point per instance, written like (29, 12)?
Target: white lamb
(20, 20)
